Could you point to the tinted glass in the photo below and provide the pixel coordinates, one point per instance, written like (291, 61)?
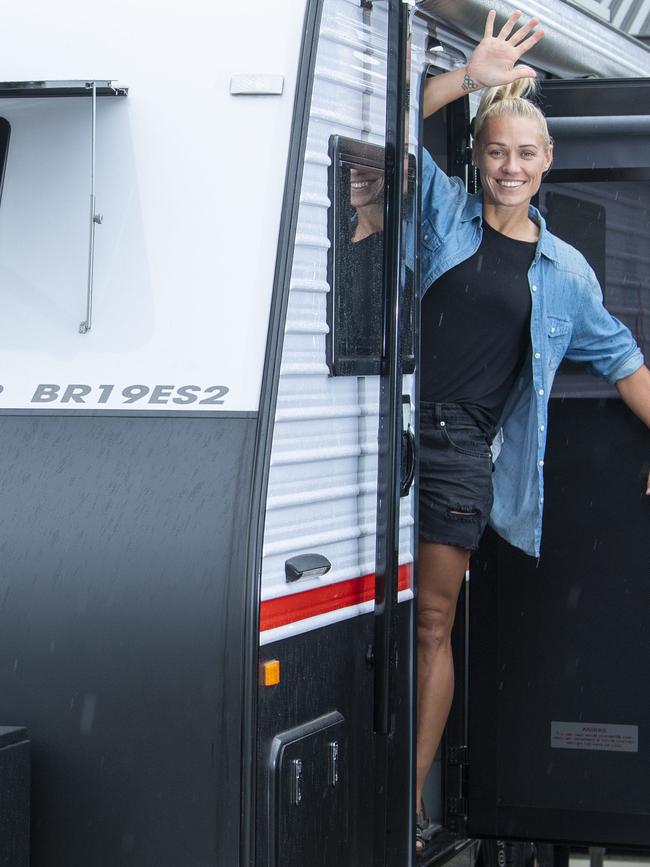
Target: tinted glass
(609, 222)
(4, 147)
(356, 263)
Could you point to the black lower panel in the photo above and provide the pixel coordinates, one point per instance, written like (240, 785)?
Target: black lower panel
(122, 581)
(14, 797)
(560, 650)
(323, 672)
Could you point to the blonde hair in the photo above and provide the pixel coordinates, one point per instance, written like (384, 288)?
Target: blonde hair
(511, 100)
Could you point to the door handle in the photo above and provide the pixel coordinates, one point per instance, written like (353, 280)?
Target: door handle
(407, 473)
(408, 461)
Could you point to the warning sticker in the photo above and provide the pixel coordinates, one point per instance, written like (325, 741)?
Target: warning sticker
(594, 736)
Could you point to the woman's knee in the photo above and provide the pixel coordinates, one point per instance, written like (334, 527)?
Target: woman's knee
(435, 622)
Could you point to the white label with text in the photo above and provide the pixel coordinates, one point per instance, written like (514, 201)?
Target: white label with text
(595, 736)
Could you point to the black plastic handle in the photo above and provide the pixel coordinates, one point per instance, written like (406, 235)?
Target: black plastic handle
(408, 461)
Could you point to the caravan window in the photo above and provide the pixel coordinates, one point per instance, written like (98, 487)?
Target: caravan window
(5, 130)
(356, 262)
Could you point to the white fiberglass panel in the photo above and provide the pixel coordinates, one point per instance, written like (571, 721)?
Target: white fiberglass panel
(189, 181)
(323, 479)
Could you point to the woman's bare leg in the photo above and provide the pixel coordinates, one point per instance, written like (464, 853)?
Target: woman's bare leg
(441, 572)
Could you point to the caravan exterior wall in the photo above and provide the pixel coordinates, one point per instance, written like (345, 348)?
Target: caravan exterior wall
(189, 180)
(126, 473)
(135, 452)
(323, 479)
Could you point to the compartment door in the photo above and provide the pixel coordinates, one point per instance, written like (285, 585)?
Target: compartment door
(559, 651)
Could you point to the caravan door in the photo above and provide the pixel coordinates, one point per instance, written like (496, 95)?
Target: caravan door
(334, 722)
(558, 717)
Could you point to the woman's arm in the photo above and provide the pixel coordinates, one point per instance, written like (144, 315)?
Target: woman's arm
(491, 64)
(635, 391)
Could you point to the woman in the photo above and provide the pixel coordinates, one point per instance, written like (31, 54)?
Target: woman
(504, 301)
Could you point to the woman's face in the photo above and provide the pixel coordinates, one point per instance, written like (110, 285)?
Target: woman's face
(512, 158)
(366, 187)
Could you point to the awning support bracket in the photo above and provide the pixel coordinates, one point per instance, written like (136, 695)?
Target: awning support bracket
(95, 218)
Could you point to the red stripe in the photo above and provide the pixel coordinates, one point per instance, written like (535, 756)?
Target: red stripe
(321, 600)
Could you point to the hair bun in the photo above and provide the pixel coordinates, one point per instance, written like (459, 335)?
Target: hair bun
(522, 88)
(511, 99)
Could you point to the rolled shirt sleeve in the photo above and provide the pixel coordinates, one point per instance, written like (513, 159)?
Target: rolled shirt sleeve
(598, 338)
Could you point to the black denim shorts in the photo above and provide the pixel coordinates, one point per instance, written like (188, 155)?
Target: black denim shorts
(455, 482)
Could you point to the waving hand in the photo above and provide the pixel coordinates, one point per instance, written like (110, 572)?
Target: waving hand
(494, 59)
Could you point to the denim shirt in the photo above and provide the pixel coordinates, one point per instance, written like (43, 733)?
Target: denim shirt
(567, 319)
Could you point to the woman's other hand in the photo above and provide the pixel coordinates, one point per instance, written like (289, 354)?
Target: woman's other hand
(493, 62)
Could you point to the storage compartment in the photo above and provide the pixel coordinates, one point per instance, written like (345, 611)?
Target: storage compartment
(309, 793)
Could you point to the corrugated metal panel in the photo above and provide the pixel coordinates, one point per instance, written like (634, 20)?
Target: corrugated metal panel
(631, 16)
(323, 479)
(576, 42)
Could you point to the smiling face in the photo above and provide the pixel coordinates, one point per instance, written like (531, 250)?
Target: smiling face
(512, 157)
(366, 187)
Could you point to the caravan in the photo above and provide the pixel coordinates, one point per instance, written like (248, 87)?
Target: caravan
(209, 424)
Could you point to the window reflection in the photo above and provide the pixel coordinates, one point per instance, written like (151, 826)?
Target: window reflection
(356, 262)
(609, 222)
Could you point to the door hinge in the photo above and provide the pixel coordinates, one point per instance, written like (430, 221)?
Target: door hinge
(458, 755)
(456, 807)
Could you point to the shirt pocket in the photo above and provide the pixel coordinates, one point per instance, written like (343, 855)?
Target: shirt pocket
(558, 333)
(430, 239)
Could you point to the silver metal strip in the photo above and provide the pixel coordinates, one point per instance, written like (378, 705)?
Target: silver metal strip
(95, 218)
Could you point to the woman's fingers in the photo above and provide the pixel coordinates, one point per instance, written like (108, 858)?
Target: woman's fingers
(508, 27)
(489, 23)
(521, 34)
(528, 43)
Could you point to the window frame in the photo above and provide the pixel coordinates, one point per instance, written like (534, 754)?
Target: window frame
(5, 136)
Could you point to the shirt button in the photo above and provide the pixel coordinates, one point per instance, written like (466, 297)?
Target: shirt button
(541, 463)
(553, 330)
(534, 288)
(538, 355)
(426, 237)
(541, 427)
(541, 391)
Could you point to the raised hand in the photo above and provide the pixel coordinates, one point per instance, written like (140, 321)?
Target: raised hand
(494, 59)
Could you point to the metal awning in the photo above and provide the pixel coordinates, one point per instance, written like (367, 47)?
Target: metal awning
(631, 16)
(20, 89)
(576, 43)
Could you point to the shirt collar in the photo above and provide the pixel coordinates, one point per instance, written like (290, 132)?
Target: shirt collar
(473, 210)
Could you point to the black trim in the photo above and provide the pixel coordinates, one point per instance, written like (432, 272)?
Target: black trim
(559, 176)
(390, 407)
(5, 136)
(266, 418)
(390, 427)
(132, 413)
(593, 97)
(58, 89)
